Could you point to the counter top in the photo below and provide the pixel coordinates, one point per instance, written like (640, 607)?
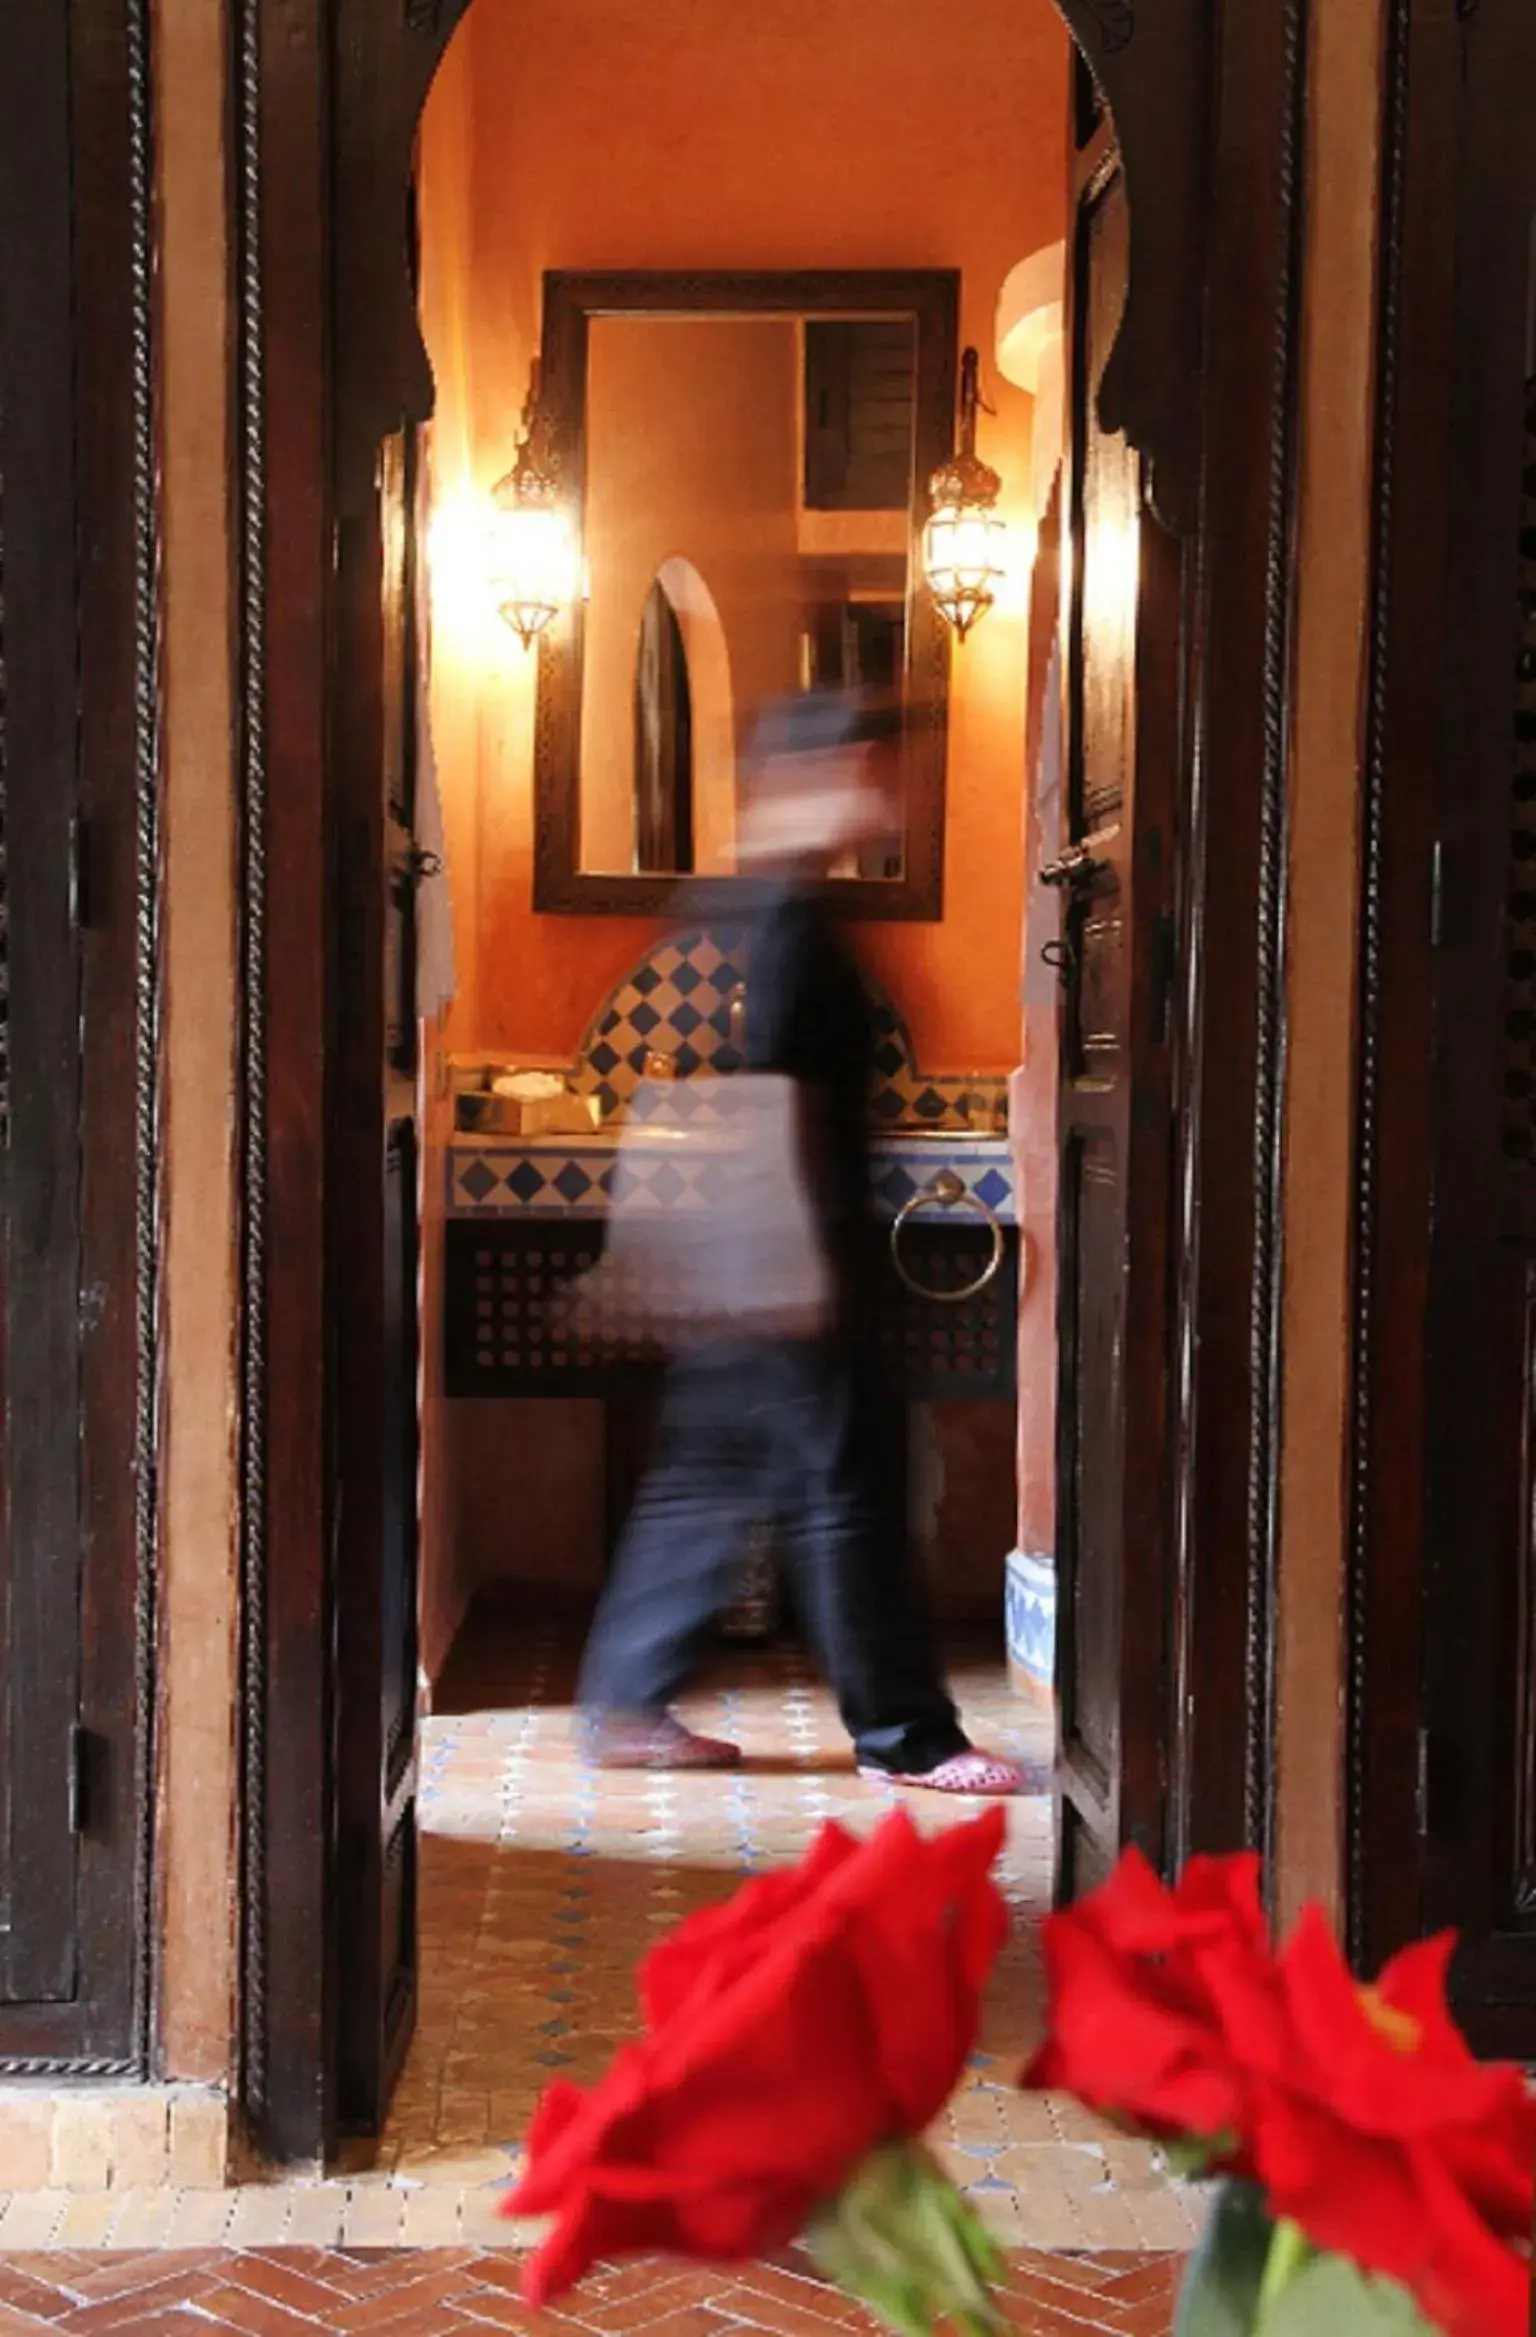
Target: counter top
(570, 1176)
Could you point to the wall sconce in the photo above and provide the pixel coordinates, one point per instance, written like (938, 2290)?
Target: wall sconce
(963, 541)
(536, 568)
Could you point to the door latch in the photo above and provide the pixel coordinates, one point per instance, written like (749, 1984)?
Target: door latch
(416, 864)
(1076, 869)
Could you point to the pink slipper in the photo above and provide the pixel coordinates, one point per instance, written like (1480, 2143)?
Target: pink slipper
(968, 1772)
(661, 1743)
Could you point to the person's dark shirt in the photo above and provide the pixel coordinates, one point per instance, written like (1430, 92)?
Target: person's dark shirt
(808, 1017)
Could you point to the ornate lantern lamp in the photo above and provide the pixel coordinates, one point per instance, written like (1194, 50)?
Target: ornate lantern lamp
(963, 541)
(535, 556)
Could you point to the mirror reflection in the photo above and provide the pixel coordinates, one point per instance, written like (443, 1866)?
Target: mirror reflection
(745, 460)
(746, 521)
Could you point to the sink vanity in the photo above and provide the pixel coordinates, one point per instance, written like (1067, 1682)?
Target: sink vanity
(527, 1215)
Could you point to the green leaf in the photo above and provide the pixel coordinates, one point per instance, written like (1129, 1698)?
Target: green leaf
(904, 2242)
(1194, 2155)
(1332, 2297)
(1289, 2252)
(1220, 2295)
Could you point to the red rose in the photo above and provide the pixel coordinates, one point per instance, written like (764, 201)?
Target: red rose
(1383, 2137)
(1130, 1969)
(789, 2033)
(1360, 2111)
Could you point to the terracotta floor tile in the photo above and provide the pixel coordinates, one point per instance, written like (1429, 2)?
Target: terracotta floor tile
(237, 2308)
(493, 2308)
(541, 1889)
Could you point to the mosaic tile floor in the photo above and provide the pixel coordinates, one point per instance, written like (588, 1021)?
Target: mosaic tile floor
(541, 1887)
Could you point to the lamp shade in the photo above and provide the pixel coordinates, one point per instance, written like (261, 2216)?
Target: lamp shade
(963, 561)
(535, 560)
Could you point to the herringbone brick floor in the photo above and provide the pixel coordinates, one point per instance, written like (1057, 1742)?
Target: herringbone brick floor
(541, 1889)
(387, 2292)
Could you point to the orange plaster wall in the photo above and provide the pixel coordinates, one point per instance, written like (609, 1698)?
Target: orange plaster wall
(612, 134)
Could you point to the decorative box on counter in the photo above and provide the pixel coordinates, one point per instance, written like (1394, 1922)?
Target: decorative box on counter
(525, 1103)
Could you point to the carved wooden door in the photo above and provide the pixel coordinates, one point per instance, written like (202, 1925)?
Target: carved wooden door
(376, 1322)
(78, 1216)
(39, 1069)
(1121, 633)
(1478, 1748)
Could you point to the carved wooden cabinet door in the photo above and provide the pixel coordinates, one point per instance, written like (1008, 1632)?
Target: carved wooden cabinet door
(1478, 1748)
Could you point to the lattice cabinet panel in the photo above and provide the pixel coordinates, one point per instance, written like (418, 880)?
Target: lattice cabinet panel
(511, 1328)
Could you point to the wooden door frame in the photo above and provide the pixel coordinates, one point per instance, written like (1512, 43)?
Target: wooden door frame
(108, 2029)
(1416, 668)
(327, 96)
(1387, 1542)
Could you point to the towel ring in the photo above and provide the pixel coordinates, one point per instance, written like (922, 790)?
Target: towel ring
(950, 1193)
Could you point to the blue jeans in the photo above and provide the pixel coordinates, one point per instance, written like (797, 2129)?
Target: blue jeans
(790, 1432)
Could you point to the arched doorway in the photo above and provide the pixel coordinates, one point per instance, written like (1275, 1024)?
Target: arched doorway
(313, 155)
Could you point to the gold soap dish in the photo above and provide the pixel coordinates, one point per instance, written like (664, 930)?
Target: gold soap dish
(525, 1103)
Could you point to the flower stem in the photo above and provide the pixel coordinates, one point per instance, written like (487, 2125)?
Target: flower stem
(1288, 2251)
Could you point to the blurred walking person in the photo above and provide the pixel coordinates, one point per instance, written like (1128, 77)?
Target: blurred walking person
(762, 1421)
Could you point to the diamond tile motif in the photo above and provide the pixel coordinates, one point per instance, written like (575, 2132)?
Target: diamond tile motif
(679, 1001)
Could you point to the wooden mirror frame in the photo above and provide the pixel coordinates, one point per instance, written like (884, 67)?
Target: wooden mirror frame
(931, 296)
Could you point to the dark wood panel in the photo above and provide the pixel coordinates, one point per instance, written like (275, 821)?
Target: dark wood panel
(78, 519)
(1124, 629)
(375, 1911)
(40, 1166)
(1424, 81)
(1479, 1314)
(1229, 1015)
(1091, 1326)
(1106, 535)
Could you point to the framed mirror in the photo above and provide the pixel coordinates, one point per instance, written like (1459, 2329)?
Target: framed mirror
(749, 458)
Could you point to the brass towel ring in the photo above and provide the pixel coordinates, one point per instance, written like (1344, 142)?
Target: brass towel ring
(950, 1193)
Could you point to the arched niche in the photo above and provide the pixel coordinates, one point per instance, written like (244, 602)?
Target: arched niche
(1149, 65)
(713, 714)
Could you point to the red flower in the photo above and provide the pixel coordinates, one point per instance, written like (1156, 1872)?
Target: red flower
(818, 2014)
(1130, 1970)
(1361, 2111)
